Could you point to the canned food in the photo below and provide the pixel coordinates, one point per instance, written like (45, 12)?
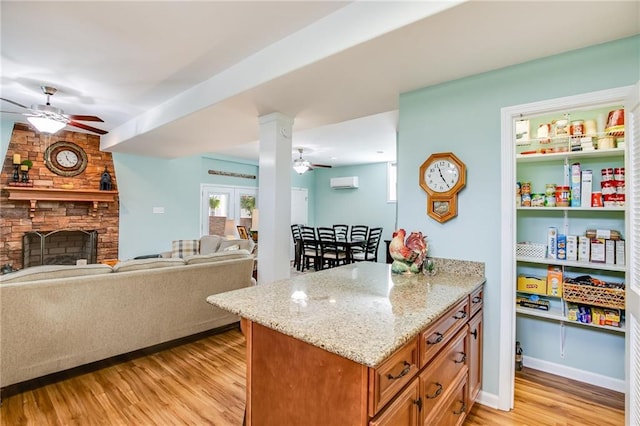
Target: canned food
(618, 186)
(606, 143)
(577, 128)
(607, 174)
(561, 128)
(596, 199)
(590, 128)
(525, 187)
(518, 188)
(550, 200)
(618, 173)
(608, 187)
(537, 200)
(526, 200)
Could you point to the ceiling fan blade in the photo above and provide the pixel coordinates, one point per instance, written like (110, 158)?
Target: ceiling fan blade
(15, 103)
(85, 127)
(85, 118)
(325, 166)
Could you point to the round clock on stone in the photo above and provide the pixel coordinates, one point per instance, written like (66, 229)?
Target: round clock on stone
(442, 176)
(65, 158)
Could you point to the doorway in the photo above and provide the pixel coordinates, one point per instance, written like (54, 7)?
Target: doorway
(219, 204)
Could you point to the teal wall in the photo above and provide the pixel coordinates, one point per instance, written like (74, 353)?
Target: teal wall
(6, 128)
(366, 205)
(463, 116)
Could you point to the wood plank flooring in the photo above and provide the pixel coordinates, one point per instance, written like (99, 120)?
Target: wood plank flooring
(202, 382)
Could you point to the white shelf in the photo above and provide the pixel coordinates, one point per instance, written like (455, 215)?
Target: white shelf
(554, 156)
(569, 209)
(573, 264)
(556, 315)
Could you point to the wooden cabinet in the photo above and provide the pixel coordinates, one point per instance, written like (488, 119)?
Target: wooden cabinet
(432, 380)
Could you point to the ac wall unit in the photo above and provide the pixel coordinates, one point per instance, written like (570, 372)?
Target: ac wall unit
(344, 182)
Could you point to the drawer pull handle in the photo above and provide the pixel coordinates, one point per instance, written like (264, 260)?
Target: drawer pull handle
(439, 338)
(462, 409)
(474, 333)
(438, 392)
(476, 299)
(404, 372)
(460, 315)
(418, 402)
(463, 359)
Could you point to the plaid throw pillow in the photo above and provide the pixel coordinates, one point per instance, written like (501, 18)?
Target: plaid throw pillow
(184, 248)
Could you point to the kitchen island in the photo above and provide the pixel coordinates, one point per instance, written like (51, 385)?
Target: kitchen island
(358, 345)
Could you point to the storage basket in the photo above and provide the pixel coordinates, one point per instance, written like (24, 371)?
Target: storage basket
(531, 250)
(596, 296)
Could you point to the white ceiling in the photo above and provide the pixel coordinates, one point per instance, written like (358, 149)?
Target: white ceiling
(172, 79)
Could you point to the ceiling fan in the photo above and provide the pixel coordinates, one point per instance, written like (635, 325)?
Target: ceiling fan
(49, 119)
(300, 165)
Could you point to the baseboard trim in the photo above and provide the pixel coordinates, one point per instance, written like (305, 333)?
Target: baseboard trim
(487, 399)
(574, 374)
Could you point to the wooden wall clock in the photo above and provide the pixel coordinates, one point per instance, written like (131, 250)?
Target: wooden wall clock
(442, 176)
(66, 158)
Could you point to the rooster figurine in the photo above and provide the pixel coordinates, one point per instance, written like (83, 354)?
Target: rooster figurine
(407, 255)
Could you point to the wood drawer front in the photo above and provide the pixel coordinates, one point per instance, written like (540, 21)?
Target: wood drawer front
(438, 379)
(455, 408)
(476, 300)
(402, 411)
(391, 376)
(437, 335)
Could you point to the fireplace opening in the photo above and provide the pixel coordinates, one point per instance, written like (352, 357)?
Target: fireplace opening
(64, 247)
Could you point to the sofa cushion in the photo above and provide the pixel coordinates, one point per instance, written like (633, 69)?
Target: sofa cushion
(241, 244)
(184, 248)
(209, 244)
(139, 264)
(216, 257)
(47, 272)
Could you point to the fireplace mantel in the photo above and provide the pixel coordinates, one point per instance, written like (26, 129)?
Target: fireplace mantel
(35, 194)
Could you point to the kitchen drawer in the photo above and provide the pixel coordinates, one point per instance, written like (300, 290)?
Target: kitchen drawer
(455, 408)
(436, 336)
(476, 299)
(391, 376)
(438, 378)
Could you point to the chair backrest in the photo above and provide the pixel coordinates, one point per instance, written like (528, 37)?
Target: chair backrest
(341, 232)
(359, 232)
(326, 235)
(373, 241)
(295, 232)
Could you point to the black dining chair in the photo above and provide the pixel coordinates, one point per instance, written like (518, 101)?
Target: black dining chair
(310, 248)
(370, 252)
(358, 233)
(297, 246)
(331, 252)
(341, 232)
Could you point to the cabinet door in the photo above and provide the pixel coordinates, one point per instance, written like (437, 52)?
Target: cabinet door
(403, 411)
(475, 356)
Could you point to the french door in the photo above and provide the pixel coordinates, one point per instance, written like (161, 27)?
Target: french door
(220, 204)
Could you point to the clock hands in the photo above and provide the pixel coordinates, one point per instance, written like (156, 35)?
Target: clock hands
(443, 179)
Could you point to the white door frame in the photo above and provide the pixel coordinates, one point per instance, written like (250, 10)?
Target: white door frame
(235, 192)
(507, 339)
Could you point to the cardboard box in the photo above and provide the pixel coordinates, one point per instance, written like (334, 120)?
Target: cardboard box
(554, 281)
(552, 239)
(572, 247)
(620, 252)
(584, 249)
(598, 250)
(610, 252)
(586, 186)
(532, 285)
(561, 250)
(576, 177)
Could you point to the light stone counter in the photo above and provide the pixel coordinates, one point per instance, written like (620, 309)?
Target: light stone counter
(361, 311)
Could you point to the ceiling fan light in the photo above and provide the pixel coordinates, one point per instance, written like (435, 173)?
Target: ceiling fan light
(46, 125)
(301, 166)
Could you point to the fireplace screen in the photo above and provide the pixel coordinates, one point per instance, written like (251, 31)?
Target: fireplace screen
(58, 247)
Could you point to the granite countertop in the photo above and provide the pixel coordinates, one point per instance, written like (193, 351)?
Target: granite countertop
(360, 311)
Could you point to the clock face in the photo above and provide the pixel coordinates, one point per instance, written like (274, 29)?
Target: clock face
(442, 175)
(67, 158)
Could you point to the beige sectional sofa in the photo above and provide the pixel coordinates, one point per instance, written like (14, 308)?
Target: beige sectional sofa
(57, 317)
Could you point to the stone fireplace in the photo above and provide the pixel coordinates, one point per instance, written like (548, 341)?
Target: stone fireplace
(54, 203)
(64, 247)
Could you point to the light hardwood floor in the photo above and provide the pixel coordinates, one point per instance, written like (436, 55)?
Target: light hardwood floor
(202, 383)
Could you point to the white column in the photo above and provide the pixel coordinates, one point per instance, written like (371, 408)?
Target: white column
(274, 197)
